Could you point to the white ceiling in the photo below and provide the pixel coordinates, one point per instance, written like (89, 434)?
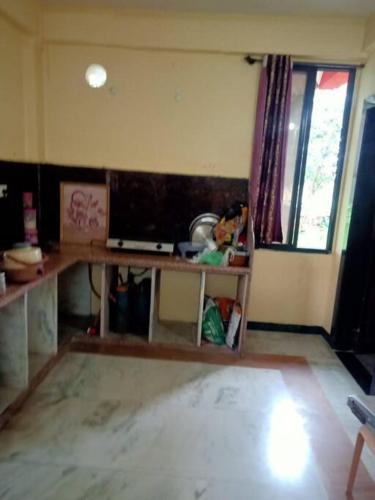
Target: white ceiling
(278, 7)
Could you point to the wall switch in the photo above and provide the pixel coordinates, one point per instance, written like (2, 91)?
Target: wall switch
(3, 191)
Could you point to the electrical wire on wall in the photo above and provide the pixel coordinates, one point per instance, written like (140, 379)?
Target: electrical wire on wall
(92, 286)
(93, 289)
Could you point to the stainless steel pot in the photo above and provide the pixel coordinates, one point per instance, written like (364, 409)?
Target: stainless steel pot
(202, 228)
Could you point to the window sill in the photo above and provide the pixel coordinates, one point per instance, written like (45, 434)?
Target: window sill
(288, 248)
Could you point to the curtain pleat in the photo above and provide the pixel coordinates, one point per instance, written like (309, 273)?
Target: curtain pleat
(269, 150)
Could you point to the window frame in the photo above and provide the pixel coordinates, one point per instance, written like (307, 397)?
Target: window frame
(302, 149)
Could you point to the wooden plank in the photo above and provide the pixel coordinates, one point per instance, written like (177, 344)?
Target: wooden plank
(100, 255)
(242, 298)
(201, 308)
(104, 304)
(155, 298)
(152, 304)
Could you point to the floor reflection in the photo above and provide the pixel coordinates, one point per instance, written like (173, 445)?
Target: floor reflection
(288, 447)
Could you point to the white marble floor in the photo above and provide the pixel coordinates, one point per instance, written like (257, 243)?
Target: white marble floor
(335, 380)
(103, 427)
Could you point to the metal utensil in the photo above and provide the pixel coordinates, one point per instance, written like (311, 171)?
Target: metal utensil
(202, 228)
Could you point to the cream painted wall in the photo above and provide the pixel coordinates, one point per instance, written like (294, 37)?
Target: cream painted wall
(12, 130)
(369, 42)
(136, 122)
(179, 99)
(326, 38)
(290, 287)
(284, 289)
(21, 13)
(18, 82)
(179, 297)
(160, 111)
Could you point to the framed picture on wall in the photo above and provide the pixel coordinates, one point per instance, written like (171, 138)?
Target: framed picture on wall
(84, 212)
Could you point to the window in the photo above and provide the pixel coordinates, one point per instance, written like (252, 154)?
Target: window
(320, 108)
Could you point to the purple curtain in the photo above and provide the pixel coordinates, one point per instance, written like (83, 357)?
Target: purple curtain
(269, 150)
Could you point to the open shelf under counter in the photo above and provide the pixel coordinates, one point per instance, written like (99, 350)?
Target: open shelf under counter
(161, 332)
(175, 332)
(164, 332)
(127, 337)
(67, 331)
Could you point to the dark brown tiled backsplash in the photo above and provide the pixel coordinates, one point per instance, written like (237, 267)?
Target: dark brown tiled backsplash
(164, 203)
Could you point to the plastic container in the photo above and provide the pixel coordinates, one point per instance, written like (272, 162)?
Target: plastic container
(28, 255)
(120, 310)
(239, 259)
(141, 306)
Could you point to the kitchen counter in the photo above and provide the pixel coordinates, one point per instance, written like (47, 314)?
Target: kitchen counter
(101, 255)
(67, 255)
(54, 265)
(29, 326)
(157, 330)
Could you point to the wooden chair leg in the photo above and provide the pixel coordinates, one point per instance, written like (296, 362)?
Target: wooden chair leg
(355, 461)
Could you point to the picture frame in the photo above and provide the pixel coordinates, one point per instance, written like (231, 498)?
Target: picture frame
(84, 212)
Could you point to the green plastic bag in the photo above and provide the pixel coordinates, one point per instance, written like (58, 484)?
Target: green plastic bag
(212, 258)
(212, 325)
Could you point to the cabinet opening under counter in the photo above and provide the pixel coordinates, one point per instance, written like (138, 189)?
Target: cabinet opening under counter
(176, 308)
(125, 300)
(170, 313)
(77, 306)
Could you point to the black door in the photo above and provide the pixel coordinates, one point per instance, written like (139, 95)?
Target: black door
(354, 319)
